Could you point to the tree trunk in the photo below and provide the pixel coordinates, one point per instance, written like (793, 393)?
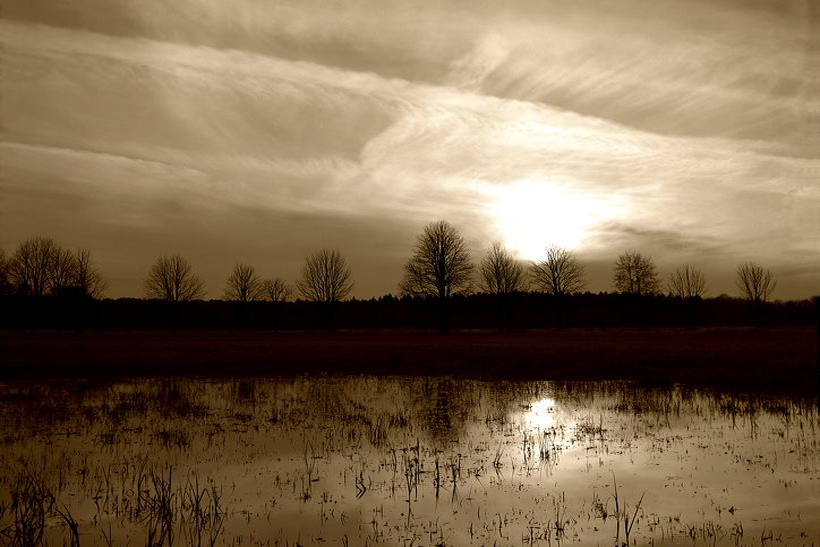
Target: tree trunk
(817, 320)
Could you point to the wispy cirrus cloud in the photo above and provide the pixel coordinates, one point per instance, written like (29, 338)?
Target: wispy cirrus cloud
(686, 134)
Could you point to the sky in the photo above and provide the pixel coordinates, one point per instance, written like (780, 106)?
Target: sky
(259, 131)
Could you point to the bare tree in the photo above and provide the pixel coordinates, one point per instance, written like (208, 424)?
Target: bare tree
(277, 290)
(171, 279)
(40, 266)
(756, 283)
(31, 266)
(87, 276)
(636, 274)
(243, 285)
(63, 270)
(439, 267)
(325, 277)
(500, 272)
(687, 282)
(559, 273)
(502, 276)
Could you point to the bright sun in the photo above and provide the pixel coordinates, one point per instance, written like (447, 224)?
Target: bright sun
(533, 214)
(541, 415)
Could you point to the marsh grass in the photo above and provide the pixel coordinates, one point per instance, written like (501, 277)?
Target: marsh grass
(32, 503)
(368, 461)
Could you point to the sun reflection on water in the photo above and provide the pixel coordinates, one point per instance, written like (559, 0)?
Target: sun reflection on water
(541, 415)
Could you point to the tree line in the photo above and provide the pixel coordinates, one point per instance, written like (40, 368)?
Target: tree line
(40, 267)
(439, 268)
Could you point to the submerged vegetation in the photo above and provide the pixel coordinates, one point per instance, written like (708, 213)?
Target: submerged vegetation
(368, 461)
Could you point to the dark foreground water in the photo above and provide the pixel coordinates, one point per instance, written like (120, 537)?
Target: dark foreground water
(403, 461)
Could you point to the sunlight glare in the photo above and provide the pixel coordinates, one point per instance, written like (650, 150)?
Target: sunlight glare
(531, 215)
(541, 415)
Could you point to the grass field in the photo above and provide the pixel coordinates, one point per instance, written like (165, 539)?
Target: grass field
(777, 360)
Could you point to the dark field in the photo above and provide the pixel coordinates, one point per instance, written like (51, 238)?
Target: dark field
(776, 359)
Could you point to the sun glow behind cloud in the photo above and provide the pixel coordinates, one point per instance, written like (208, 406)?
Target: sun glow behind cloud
(536, 122)
(532, 214)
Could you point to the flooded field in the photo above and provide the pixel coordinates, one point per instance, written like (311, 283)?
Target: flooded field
(403, 461)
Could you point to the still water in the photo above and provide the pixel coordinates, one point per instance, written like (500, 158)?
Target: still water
(404, 461)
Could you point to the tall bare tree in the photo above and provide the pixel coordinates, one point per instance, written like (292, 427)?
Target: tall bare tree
(87, 276)
(31, 266)
(755, 282)
(502, 276)
(326, 277)
(559, 273)
(63, 270)
(636, 274)
(277, 290)
(439, 267)
(243, 285)
(171, 279)
(500, 272)
(687, 282)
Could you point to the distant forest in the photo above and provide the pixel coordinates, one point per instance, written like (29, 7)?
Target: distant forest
(45, 286)
(478, 311)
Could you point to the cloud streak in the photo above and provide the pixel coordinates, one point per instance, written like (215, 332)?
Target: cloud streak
(652, 132)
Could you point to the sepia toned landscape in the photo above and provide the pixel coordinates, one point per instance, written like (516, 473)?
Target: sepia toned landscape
(409, 273)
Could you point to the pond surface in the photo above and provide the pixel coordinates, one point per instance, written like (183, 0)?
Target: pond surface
(404, 461)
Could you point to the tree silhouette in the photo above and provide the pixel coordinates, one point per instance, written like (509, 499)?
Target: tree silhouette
(636, 274)
(5, 285)
(501, 275)
(32, 265)
(687, 282)
(276, 290)
(79, 281)
(87, 276)
(40, 267)
(325, 277)
(500, 272)
(558, 274)
(439, 267)
(171, 279)
(63, 270)
(756, 283)
(243, 285)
